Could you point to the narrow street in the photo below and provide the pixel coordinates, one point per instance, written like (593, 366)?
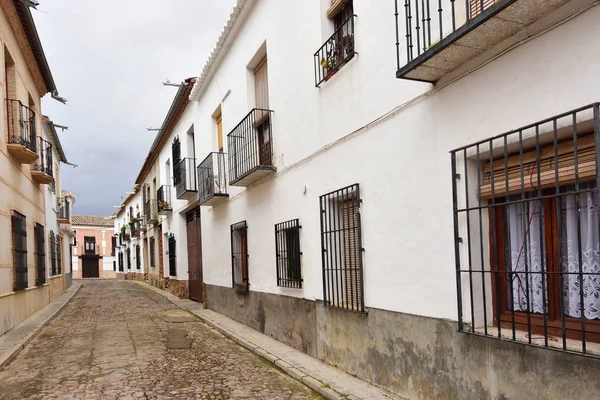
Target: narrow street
(117, 340)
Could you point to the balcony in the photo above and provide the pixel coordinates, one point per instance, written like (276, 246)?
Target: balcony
(250, 148)
(212, 180)
(186, 186)
(42, 169)
(63, 215)
(163, 200)
(89, 250)
(151, 211)
(335, 52)
(21, 132)
(448, 38)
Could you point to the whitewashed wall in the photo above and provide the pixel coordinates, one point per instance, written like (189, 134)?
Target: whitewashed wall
(401, 162)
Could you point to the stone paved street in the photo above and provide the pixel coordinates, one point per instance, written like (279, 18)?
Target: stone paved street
(117, 340)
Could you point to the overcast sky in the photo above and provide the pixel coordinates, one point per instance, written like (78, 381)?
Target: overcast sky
(108, 59)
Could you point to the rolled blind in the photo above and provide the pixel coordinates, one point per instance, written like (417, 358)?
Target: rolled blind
(337, 6)
(262, 85)
(529, 177)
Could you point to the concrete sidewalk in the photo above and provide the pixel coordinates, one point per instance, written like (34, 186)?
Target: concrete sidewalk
(329, 381)
(13, 341)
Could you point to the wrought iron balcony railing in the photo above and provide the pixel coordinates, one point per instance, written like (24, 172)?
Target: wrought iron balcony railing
(21, 127)
(186, 185)
(89, 249)
(441, 36)
(163, 199)
(63, 213)
(250, 148)
(335, 52)
(43, 168)
(150, 211)
(212, 180)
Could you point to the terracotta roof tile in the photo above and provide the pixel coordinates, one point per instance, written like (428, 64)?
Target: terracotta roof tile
(91, 220)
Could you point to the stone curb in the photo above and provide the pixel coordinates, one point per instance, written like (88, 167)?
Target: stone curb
(7, 357)
(312, 382)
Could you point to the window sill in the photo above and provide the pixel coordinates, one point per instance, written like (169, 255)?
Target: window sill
(554, 342)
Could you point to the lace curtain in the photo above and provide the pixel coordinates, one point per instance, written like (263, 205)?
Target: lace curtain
(525, 253)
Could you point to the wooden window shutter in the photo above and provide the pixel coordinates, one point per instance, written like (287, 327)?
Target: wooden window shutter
(352, 289)
(219, 120)
(261, 83)
(335, 7)
(586, 154)
(477, 6)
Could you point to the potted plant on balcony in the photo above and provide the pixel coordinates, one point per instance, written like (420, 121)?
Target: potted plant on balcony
(163, 205)
(329, 63)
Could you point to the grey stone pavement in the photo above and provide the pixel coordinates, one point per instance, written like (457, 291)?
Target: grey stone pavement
(119, 340)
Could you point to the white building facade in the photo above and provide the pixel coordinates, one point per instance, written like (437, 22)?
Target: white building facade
(393, 226)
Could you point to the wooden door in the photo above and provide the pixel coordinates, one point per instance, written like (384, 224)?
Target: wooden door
(90, 268)
(194, 248)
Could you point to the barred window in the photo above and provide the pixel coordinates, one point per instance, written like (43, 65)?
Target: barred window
(526, 232)
(152, 252)
(19, 233)
(120, 261)
(239, 256)
(138, 258)
(172, 256)
(59, 260)
(113, 245)
(53, 270)
(40, 254)
(341, 244)
(129, 259)
(287, 251)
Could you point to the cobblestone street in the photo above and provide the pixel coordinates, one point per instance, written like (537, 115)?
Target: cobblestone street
(117, 340)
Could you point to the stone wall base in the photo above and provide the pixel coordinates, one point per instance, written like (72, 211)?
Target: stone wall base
(177, 287)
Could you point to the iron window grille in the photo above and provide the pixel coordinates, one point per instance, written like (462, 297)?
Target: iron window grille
(526, 233)
(152, 251)
(120, 261)
(40, 254)
(44, 163)
(113, 244)
(52, 187)
(64, 208)
(338, 49)
(53, 270)
(212, 180)
(250, 145)
(21, 125)
(59, 260)
(287, 253)
(19, 234)
(239, 256)
(172, 255)
(128, 259)
(341, 244)
(185, 177)
(138, 258)
(163, 196)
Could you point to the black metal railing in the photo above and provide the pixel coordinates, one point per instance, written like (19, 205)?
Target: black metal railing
(40, 254)
(44, 163)
(335, 52)
(341, 243)
(90, 249)
(250, 144)
(163, 199)
(150, 210)
(21, 125)
(19, 244)
(138, 257)
(526, 233)
(287, 254)
(64, 208)
(185, 177)
(429, 22)
(212, 179)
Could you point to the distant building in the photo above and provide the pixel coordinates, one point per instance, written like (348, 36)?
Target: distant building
(94, 248)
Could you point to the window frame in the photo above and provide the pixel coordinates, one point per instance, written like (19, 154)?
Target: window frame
(19, 250)
(288, 254)
(40, 254)
(239, 231)
(52, 244)
(172, 243)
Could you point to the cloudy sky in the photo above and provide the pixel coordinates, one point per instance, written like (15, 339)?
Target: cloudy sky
(108, 59)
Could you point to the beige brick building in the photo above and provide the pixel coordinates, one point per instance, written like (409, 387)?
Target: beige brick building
(94, 250)
(34, 214)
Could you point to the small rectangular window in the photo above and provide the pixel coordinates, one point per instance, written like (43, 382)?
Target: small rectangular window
(152, 251)
(40, 255)
(19, 231)
(341, 242)
(172, 256)
(287, 250)
(239, 256)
